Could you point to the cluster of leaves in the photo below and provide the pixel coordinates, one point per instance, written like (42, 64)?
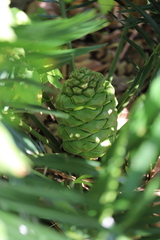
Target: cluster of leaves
(31, 51)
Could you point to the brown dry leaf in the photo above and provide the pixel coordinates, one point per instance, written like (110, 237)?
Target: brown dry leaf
(89, 63)
(122, 118)
(138, 3)
(156, 169)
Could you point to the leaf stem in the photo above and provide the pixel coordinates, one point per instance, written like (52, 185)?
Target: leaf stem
(118, 51)
(45, 141)
(47, 133)
(47, 100)
(140, 78)
(69, 45)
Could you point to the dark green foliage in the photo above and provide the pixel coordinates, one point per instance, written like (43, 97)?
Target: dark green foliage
(118, 205)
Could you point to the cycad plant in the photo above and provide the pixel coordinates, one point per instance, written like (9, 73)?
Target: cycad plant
(98, 191)
(90, 103)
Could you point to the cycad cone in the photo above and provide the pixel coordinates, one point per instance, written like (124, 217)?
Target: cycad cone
(91, 104)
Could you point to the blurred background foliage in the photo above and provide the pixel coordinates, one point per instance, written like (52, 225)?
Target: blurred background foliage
(46, 193)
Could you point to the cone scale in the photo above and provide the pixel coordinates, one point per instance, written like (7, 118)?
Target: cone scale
(90, 103)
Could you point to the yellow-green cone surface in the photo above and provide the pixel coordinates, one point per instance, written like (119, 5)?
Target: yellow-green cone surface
(91, 104)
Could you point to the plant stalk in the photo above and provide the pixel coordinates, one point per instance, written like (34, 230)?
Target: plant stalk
(140, 78)
(69, 45)
(30, 130)
(118, 52)
(47, 133)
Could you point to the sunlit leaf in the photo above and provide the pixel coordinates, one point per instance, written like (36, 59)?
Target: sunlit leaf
(20, 17)
(12, 160)
(3, 230)
(106, 6)
(53, 78)
(46, 61)
(64, 29)
(6, 33)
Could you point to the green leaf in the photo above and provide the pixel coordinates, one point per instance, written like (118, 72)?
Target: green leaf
(3, 230)
(22, 91)
(6, 33)
(140, 78)
(138, 141)
(48, 60)
(9, 83)
(12, 160)
(106, 6)
(53, 77)
(67, 163)
(23, 228)
(82, 178)
(22, 107)
(138, 48)
(65, 30)
(156, 5)
(45, 130)
(45, 199)
(20, 17)
(147, 38)
(146, 16)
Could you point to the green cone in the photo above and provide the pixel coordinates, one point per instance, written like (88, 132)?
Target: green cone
(91, 104)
